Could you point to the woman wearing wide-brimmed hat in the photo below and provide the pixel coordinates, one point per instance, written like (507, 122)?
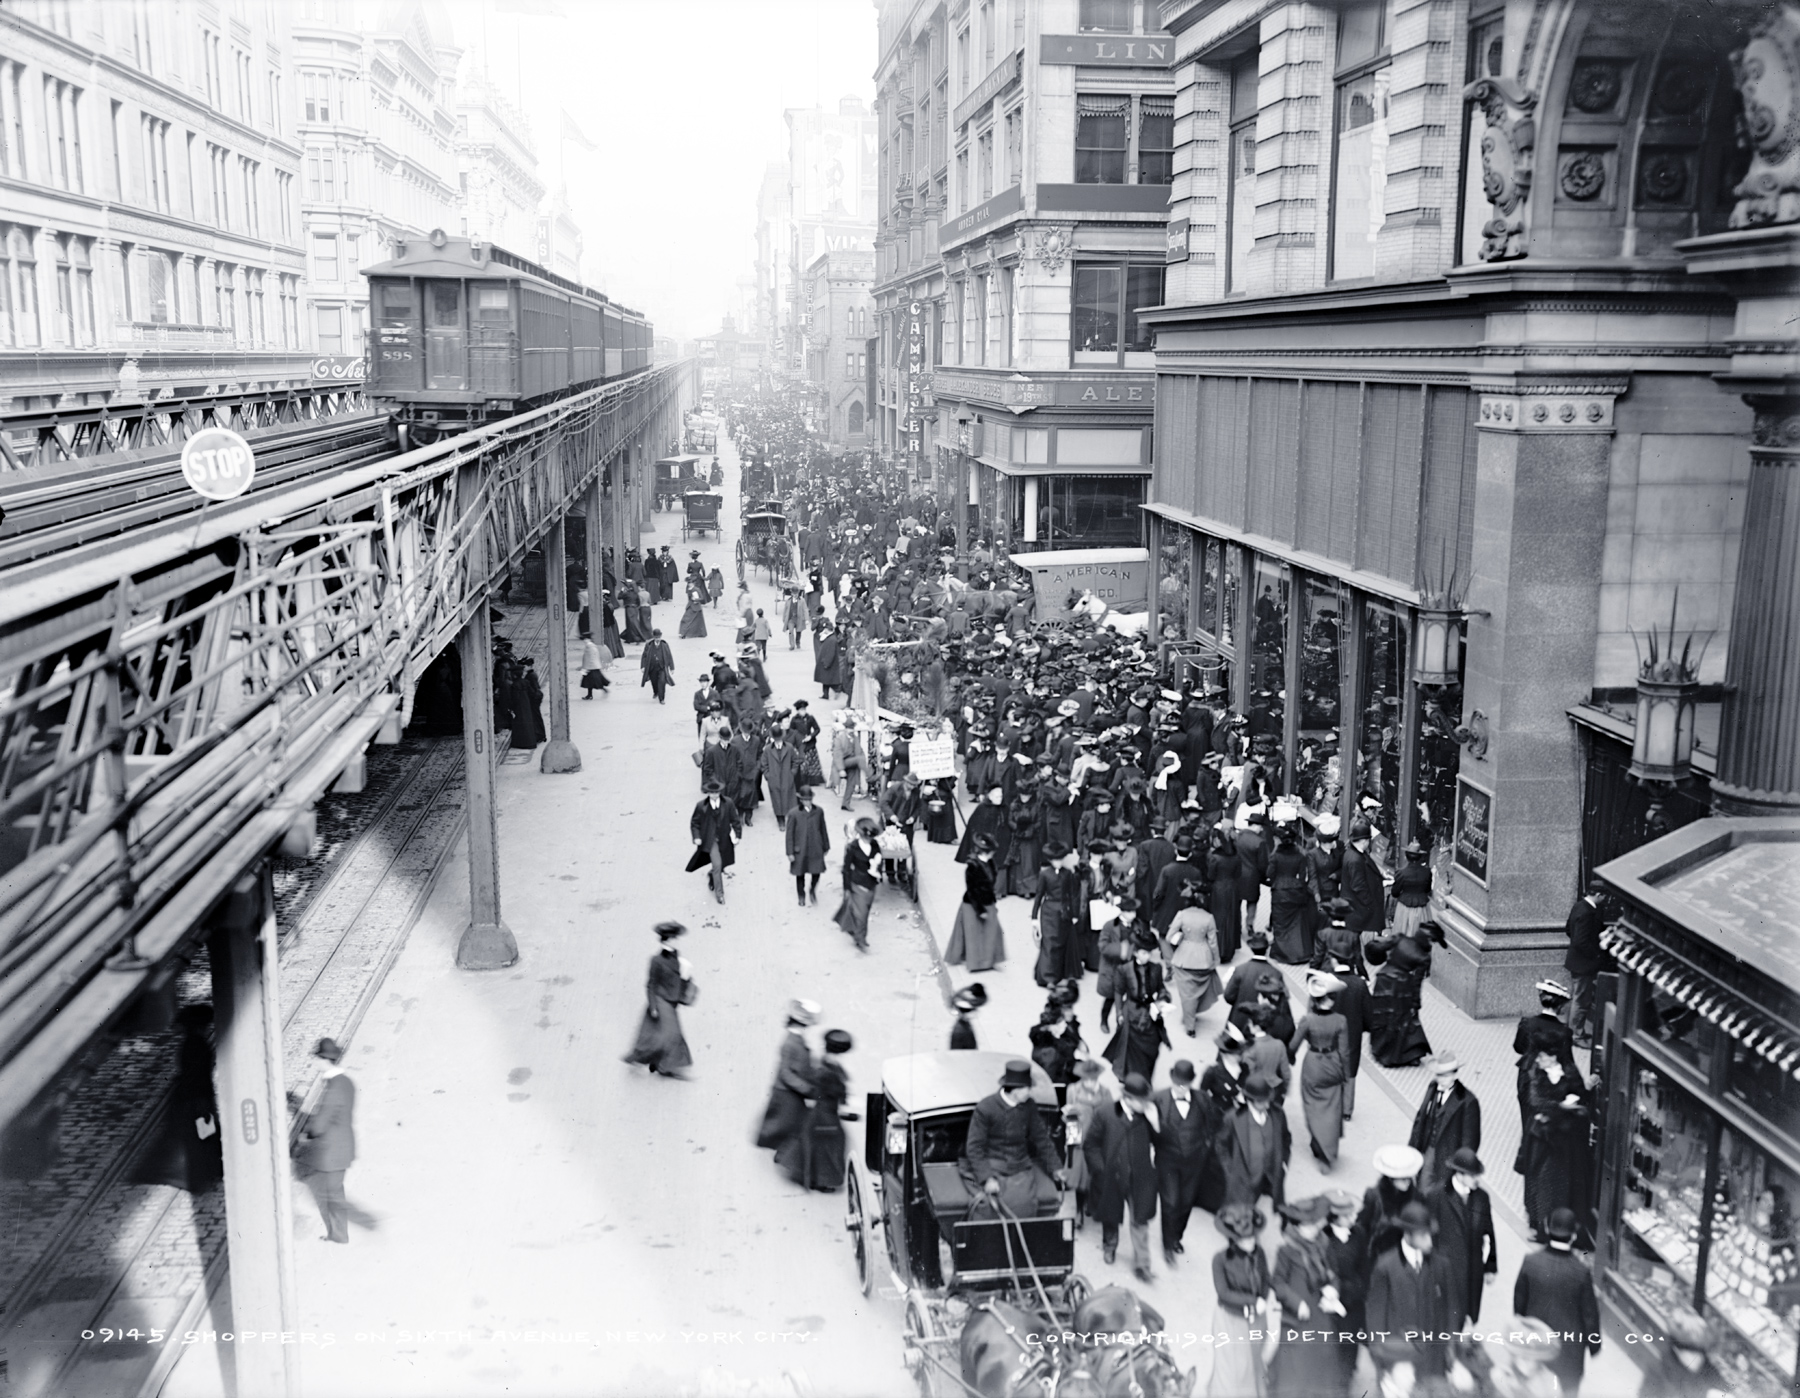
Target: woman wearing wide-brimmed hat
(1245, 1292)
(814, 1156)
(1307, 1363)
(976, 940)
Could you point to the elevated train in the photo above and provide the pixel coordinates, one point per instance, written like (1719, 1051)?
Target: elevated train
(464, 332)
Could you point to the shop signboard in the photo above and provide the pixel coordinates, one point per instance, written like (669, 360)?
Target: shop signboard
(1118, 577)
(918, 387)
(1474, 829)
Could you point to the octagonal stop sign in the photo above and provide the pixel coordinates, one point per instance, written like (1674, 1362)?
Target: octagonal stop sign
(218, 463)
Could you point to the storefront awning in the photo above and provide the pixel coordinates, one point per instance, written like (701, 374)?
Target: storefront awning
(1712, 1002)
(1019, 468)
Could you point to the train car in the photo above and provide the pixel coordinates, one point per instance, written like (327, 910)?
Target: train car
(466, 332)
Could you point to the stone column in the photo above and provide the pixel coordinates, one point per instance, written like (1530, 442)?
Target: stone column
(1293, 166)
(560, 755)
(253, 1132)
(1759, 727)
(1540, 508)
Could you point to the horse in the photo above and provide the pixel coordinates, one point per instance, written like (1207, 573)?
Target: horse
(1006, 1354)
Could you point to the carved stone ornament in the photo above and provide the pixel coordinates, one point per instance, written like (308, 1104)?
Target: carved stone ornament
(1663, 177)
(1767, 71)
(1777, 430)
(1507, 148)
(1583, 175)
(1594, 87)
(1052, 249)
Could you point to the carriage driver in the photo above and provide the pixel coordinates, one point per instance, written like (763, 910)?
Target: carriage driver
(1009, 1152)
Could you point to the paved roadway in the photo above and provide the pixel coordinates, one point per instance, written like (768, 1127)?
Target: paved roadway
(549, 1220)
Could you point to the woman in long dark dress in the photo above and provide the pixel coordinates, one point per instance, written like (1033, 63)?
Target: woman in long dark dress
(1138, 994)
(1056, 1037)
(1058, 891)
(987, 819)
(1291, 906)
(1307, 1364)
(1396, 1038)
(940, 813)
(1024, 818)
(1244, 1291)
(693, 620)
(814, 1156)
(1554, 1157)
(528, 717)
(859, 884)
(1326, 1039)
(661, 1046)
(1225, 901)
(975, 939)
(609, 628)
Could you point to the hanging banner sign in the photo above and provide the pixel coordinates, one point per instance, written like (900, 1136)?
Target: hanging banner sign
(932, 758)
(918, 387)
(218, 463)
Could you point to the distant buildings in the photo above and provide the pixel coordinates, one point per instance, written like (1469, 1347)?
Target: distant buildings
(190, 191)
(836, 320)
(149, 219)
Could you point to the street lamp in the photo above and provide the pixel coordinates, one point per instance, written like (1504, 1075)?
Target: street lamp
(1668, 690)
(1437, 646)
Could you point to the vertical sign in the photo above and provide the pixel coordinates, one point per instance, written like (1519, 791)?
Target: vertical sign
(915, 387)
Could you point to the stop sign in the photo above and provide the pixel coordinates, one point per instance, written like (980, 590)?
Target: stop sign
(218, 463)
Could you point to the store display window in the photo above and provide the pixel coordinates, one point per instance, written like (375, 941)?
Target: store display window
(1440, 758)
(1318, 779)
(1707, 1213)
(1268, 667)
(1174, 581)
(1208, 619)
(1378, 727)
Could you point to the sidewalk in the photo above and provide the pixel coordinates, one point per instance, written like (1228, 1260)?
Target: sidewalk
(1386, 1101)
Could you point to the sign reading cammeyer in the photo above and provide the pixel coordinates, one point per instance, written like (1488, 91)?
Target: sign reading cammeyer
(1108, 50)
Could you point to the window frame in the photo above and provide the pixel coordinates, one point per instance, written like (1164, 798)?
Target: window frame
(1237, 125)
(1124, 153)
(1343, 76)
(1134, 115)
(1124, 318)
(1132, 15)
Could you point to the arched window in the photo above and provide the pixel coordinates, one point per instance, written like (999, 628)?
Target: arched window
(856, 419)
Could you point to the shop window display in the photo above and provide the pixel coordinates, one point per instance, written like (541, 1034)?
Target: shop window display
(1174, 576)
(1378, 737)
(1318, 779)
(1744, 1241)
(1440, 756)
(1221, 567)
(1268, 667)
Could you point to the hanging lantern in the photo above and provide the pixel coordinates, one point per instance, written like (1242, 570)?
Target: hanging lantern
(1437, 646)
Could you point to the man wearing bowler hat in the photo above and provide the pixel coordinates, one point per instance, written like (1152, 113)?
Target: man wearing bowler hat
(713, 825)
(1118, 1147)
(1558, 1288)
(1254, 1146)
(1186, 1121)
(1463, 1216)
(1410, 1292)
(1009, 1154)
(328, 1142)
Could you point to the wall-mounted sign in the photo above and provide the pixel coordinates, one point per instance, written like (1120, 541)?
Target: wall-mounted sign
(340, 366)
(1177, 234)
(1069, 391)
(1474, 829)
(982, 217)
(1005, 74)
(918, 385)
(1108, 50)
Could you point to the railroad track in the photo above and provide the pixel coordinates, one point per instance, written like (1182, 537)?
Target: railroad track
(132, 1258)
(62, 510)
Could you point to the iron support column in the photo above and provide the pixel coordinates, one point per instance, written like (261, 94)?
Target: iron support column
(560, 755)
(487, 943)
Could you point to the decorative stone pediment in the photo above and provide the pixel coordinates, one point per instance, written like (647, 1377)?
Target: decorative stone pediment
(1508, 147)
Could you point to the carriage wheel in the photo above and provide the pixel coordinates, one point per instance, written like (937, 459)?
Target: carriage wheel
(922, 1337)
(1075, 1291)
(856, 1223)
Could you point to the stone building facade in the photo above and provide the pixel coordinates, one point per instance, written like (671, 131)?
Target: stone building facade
(1468, 334)
(149, 214)
(835, 322)
(1027, 154)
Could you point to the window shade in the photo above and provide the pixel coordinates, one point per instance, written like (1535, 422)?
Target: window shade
(1102, 106)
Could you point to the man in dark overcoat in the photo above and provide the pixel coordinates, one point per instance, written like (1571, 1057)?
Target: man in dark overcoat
(1463, 1216)
(1009, 1154)
(1359, 884)
(1448, 1120)
(327, 1145)
(1353, 1005)
(1410, 1290)
(1254, 1146)
(808, 842)
(658, 663)
(1122, 1171)
(713, 826)
(1557, 1287)
(1583, 960)
(1187, 1122)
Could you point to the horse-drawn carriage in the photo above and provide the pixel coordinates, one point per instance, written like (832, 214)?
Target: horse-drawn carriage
(700, 512)
(993, 1304)
(675, 475)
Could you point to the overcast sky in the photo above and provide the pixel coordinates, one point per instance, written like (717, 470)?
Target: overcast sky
(684, 100)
